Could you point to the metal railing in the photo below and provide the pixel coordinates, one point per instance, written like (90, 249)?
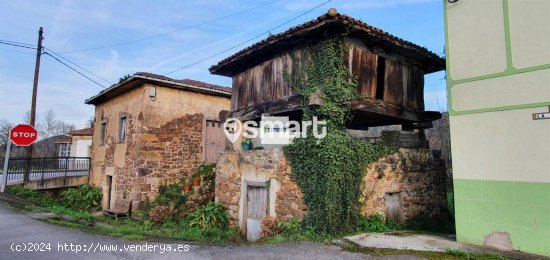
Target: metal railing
(40, 169)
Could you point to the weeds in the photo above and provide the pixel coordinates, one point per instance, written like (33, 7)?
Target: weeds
(48, 203)
(376, 223)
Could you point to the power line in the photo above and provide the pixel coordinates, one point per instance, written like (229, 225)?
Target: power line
(251, 39)
(68, 66)
(16, 44)
(67, 60)
(174, 31)
(21, 43)
(8, 50)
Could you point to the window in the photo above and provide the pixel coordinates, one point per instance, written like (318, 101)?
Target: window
(64, 150)
(103, 133)
(122, 127)
(380, 77)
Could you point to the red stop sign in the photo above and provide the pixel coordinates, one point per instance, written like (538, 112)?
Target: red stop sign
(23, 135)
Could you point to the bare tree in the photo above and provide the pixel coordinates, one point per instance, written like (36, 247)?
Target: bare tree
(90, 122)
(27, 117)
(62, 128)
(5, 127)
(49, 124)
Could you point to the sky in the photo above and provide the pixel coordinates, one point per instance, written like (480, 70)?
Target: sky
(75, 30)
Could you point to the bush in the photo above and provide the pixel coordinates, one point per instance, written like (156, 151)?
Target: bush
(292, 226)
(49, 203)
(207, 171)
(170, 196)
(211, 215)
(32, 196)
(290, 230)
(84, 197)
(160, 214)
(376, 223)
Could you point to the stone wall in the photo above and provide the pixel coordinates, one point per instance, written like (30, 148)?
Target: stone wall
(155, 157)
(234, 168)
(414, 173)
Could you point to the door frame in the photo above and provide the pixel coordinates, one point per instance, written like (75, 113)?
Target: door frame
(204, 126)
(256, 184)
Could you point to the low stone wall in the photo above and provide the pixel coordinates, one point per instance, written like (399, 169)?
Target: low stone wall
(235, 168)
(418, 178)
(413, 173)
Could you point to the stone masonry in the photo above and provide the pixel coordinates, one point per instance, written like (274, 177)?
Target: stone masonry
(156, 156)
(415, 175)
(412, 172)
(234, 167)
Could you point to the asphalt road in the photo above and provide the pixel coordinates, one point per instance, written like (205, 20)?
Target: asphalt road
(19, 234)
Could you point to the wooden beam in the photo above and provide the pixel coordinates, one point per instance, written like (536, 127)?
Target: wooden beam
(383, 108)
(367, 112)
(274, 107)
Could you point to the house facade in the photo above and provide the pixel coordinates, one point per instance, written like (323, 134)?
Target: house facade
(498, 77)
(151, 130)
(390, 81)
(81, 142)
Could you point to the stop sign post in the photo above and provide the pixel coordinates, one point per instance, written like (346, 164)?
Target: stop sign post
(21, 135)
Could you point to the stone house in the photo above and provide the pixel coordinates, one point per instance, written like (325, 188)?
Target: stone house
(152, 130)
(390, 77)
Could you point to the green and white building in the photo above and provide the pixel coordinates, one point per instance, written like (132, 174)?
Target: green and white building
(498, 75)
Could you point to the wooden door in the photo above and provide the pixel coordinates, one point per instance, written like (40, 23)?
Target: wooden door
(256, 209)
(214, 142)
(393, 207)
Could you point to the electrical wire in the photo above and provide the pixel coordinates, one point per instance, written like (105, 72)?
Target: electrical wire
(67, 60)
(23, 52)
(249, 40)
(80, 73)
(174, 31)
(16, 44)
(21, 43)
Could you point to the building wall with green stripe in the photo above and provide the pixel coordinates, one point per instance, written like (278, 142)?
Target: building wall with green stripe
(498, 75)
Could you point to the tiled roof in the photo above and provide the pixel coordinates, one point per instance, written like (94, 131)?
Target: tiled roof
(64, 140)
(186, 84)
(186, 81)
(85, 131)
(288, 38)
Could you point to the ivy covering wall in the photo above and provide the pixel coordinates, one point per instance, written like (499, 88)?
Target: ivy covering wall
(329, 171)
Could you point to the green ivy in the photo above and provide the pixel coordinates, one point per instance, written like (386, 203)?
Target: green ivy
(329, 171)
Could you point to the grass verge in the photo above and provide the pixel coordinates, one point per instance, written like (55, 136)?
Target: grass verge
(130, 229)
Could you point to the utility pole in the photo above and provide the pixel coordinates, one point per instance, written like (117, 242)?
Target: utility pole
(33, 103)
